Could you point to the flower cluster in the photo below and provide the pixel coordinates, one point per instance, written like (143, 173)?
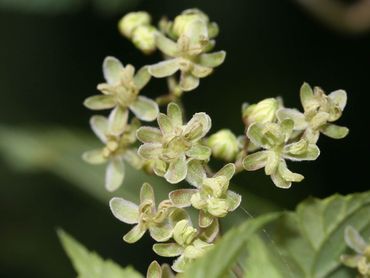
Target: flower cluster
(179, 150)
(287, 134)
(361, 260)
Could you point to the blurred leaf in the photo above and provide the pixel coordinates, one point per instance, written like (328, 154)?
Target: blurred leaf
(65, 6)
(224, 254)
(311, 240)
(59, 151)
(89, 264)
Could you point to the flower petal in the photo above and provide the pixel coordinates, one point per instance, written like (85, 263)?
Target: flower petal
(99, 125)
(100, 102)
(177, 170)
(145, 109)
(293, 114)
(272, 162)
(165, 124)
(154, 270)
(339, 98)
(255, 134)
(147, 193)
(150, 150)
(197, 127)
(179, 265)
(94, 156)
(188, 82)
(175, 114)
(161, 233)
(134, 234)
(228, 171)
(288, 175)
(210, 233)
(200, 71)
(233, 199)
(142, 77)
(168, 249)
(181, 197)
(165, 68)
(114, 175)
(212, 60)
(334, 131)
(199, 152)
(196, 173)
(147, 134)
(279, 181)
(166, 45)
(307, 97)
(124, 210)
(308, 153)
(255, 161)
(133, 158)
(112, 70)
(354, 240)
(117, 121)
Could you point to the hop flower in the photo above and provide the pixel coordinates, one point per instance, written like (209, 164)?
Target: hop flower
(193, 33)
(118, 147)
(224, 145)
(146, 216)
(361, 260)
(188, 246)
(121, 92)
(173, 145)
(273, 138)
(211, 195)
(320, 111)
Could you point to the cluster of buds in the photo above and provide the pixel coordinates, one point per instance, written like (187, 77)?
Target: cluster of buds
(178, 150)
(361, 260)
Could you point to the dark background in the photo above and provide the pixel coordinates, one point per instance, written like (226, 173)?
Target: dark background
(50, 60)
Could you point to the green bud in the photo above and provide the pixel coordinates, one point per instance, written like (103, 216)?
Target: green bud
(224, 145)
(184, 233)
(262, 112)
(183, 21)
(143, 38)
(131, 21)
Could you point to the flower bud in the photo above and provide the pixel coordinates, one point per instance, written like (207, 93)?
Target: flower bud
(217, 186)
(183, 21)
(131, 21)
(143, 38)
(217, 207)
(224, 145)
(184, 233)
(262, 112)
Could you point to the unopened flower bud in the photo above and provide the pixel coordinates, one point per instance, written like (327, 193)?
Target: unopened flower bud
(224, 145)
(183, 21)
(262, 112)
(143, 38)
(131, 21)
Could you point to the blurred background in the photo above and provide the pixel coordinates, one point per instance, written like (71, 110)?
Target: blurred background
(50, 60)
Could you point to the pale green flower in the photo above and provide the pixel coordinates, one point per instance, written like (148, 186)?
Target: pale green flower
(159, 271)
(146, 216)
(224, 145)
(118, 147)
(174, 144)
(273, 139)
(192, 32)
(361, 260)
(121, 92)
(188, 246)
(211, 195)
(320, 110)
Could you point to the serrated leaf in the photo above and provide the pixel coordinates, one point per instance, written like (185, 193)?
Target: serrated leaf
(89, 264)
(311, 240)
(224, 254)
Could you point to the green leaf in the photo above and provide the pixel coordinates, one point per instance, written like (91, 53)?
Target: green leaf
(312, 239)
(89, 264)
(224, 254)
